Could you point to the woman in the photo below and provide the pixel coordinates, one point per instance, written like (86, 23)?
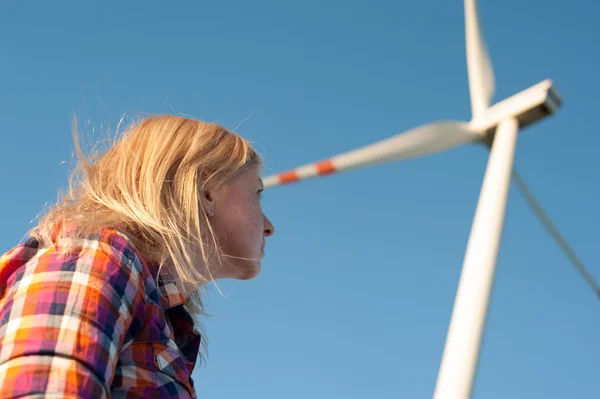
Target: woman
(98, 302)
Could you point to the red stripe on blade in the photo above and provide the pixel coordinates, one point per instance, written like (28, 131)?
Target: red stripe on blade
(325, 167)
(288, 177)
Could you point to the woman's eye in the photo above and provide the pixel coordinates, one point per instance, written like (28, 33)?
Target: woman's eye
(260, 193)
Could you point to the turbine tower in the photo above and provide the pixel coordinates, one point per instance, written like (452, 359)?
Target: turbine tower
(495, 126)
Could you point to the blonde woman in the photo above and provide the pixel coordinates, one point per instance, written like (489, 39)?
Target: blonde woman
(99, 301)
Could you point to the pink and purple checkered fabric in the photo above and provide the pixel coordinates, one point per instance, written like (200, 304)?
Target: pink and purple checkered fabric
(92, 323)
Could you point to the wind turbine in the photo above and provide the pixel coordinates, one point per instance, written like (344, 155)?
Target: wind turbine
(495, 126)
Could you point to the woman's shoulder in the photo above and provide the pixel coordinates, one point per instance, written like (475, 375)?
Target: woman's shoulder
(104, 255)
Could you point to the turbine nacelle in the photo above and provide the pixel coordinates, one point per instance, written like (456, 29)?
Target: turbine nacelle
(528, 107)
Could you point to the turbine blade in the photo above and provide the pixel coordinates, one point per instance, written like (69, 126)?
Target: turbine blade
(423, 140)
(551, 228)
(479, 65)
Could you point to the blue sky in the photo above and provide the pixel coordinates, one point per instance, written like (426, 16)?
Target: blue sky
(359, 280)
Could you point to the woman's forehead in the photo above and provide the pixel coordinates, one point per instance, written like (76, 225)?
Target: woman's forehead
(249, 176)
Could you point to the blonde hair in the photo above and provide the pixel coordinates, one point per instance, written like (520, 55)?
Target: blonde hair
(148, 185)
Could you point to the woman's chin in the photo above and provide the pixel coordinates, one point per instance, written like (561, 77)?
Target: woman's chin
(240, 269)
(251, 270)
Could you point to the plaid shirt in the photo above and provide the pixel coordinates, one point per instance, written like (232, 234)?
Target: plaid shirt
(92, 324)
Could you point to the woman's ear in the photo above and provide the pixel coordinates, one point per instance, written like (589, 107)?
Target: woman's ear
(208, 202)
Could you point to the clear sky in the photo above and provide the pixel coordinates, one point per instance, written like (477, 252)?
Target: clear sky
(359, 280)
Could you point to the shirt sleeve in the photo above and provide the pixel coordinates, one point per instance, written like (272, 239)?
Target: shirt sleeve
(64, 319)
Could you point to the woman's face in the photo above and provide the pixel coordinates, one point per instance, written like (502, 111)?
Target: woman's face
(240, 225)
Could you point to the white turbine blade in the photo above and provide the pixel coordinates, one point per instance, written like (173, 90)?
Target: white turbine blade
(423, 140)
(479, 66)
(554, 233)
